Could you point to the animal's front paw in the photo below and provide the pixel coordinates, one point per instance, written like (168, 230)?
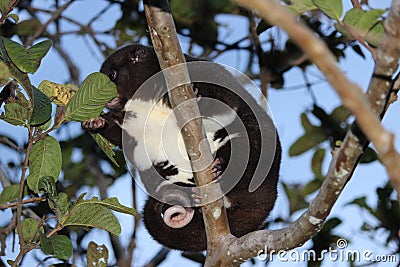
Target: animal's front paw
(198, 96)
(217, 168)
(94, 124)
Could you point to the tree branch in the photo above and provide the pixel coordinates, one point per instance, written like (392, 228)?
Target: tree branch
(169, 53)
(43, 27)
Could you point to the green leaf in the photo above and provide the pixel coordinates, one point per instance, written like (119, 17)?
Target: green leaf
(311, 187)
(340, 114)
(48, 185)
(15, 114)
(4, 6)
(362, 203)
(27, 60)
(316, 163)
(367, 24)
(9, 193)
(113, 203)
(91, 213)
(62, 203)
(16, 73)
(38, 51)
(300, 6)
(369, 156)
(59, 246)
(27, 27)
(332, 8)
(41, 108)
(4, 72)
(96, 255)
(295, 196)
(106, 146)
(14, 17)
(44, 160)
(305, 122)
(88, 102)
(30, 229)
(307, 141)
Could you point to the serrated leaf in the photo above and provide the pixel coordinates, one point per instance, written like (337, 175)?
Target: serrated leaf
(106, 146)
(30, 229)
(45, 160)
(59, 246)
(14, 114)
(59, 93)
(300, 6)
(96, 255)
(9, 193)
(307, 141)
(41, 108)
(332, 8)
(92, 213)
(316, 163)
(89, 101)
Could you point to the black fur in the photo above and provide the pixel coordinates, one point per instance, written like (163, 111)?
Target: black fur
(132, 65)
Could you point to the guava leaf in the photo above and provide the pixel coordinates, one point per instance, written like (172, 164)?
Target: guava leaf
(89, 101)
(45, 160)
(60, 246)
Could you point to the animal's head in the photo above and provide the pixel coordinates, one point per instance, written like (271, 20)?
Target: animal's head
(129, 67)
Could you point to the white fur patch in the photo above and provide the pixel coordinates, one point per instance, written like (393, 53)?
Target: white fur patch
(158, 138)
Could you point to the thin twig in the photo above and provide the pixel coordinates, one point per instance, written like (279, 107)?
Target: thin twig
(43, 27)
(19, 203)
(160, 256)
(356, 4)
(132, 243)
(27, 201)
(11, 6)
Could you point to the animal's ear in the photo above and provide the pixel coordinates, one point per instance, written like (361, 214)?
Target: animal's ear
(141, 52)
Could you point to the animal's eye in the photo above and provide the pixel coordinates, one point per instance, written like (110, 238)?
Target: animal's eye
(113, 75)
